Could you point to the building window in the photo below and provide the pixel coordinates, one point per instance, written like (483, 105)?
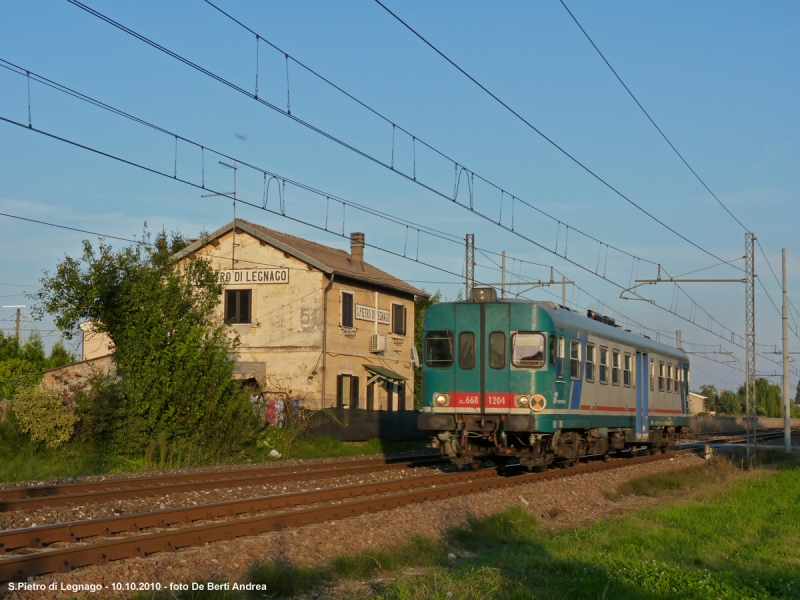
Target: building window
(660, 376)
(347, 309)
(615, 367)
(398, 319)
(527, 350)
(466, 350)
(575, 359)
(439, 349)
(497, 350)
(603, 365)
(590, 362)
(627, 370)
(237, 306)
(347, 391)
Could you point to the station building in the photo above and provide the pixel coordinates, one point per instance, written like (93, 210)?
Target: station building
(314, 322)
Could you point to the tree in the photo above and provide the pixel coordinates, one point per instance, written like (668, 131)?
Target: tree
(710, 392)
(174, 358)
(21, 365)
(730, 403)
(421, 304)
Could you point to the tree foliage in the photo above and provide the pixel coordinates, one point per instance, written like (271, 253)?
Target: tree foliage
(42, 414)
(173, 356)
(21, 364)
(421, 304)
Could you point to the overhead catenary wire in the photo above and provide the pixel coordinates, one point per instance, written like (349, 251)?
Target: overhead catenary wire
(548, 139)
(349, 146)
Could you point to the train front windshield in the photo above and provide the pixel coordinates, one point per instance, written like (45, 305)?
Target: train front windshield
(528, 350)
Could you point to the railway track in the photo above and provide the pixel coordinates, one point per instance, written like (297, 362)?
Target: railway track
(296, 509)
(28, 498)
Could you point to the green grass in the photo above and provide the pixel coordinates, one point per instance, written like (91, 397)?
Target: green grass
(21, 460)
(739, 538)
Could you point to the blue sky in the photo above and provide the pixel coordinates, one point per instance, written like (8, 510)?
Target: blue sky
(721, 79)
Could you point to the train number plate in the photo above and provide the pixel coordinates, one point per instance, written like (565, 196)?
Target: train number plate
(473, 400)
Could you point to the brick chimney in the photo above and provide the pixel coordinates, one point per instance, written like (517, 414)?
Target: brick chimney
(357, 250)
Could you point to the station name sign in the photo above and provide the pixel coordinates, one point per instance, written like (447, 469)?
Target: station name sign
(367, 313)
(235, 276)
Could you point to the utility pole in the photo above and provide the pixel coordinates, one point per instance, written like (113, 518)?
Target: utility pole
(787, 426)
(564, 290)
(678, 340)
(469, 265)
(16, 328)
(751, 422)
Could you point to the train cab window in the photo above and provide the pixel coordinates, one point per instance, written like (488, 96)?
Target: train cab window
(652, 375)
(590, 362)
(466, 350)
(603, 365)
(627, 363)
(552, 351)
(527, 350)
(575, 359)
(660, 376)
(669, 378)
(615, 367)
(497, 350)
(439, 349)
(560, 357)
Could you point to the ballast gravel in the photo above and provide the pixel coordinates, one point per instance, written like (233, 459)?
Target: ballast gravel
(568, 502)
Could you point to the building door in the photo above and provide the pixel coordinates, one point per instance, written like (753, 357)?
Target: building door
(642, 396)
(371, 396)
(346, 391)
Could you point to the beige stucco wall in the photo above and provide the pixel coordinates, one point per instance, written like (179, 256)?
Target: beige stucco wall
(349, 349)
(94, 344)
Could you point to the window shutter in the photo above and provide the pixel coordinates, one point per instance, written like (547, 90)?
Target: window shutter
(244, 307)
(354, 392)
(398, 319)
(347, 310)
(404, 320)
(230, 306)
(339, 398)
(401, 394)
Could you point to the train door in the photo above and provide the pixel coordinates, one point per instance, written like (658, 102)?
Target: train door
(468, 357)
(642, 396)
(684, 370)
(496, 396)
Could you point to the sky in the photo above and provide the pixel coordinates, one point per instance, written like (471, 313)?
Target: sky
(416, 155)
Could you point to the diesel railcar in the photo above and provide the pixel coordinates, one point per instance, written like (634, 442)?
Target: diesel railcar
(541, 384)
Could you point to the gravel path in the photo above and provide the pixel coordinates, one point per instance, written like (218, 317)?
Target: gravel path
(569, 502)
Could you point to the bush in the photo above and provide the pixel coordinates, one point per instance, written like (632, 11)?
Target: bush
(41, 414)
(94, 405)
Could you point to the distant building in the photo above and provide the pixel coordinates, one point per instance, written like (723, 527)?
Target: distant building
(314, 322)
(697, 403)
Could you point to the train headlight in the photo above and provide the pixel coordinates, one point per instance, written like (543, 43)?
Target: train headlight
(523, 401)
(441, 399)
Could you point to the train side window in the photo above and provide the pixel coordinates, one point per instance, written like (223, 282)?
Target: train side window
(660, 376)
(561, 357)
(603, 364)
(615, 367)
(552, 351)
(466, 350)
(590, 362)
(652, 375)
(527, 350)
(669, 378)
(439, 349)
(497, 350)
(575, 359)
(626, 370)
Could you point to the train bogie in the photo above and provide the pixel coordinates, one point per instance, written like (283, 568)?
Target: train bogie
(539, 384)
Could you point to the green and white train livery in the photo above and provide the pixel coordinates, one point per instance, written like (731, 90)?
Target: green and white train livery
(538, 383)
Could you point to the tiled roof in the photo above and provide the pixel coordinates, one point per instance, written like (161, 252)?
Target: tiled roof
(327, 259)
